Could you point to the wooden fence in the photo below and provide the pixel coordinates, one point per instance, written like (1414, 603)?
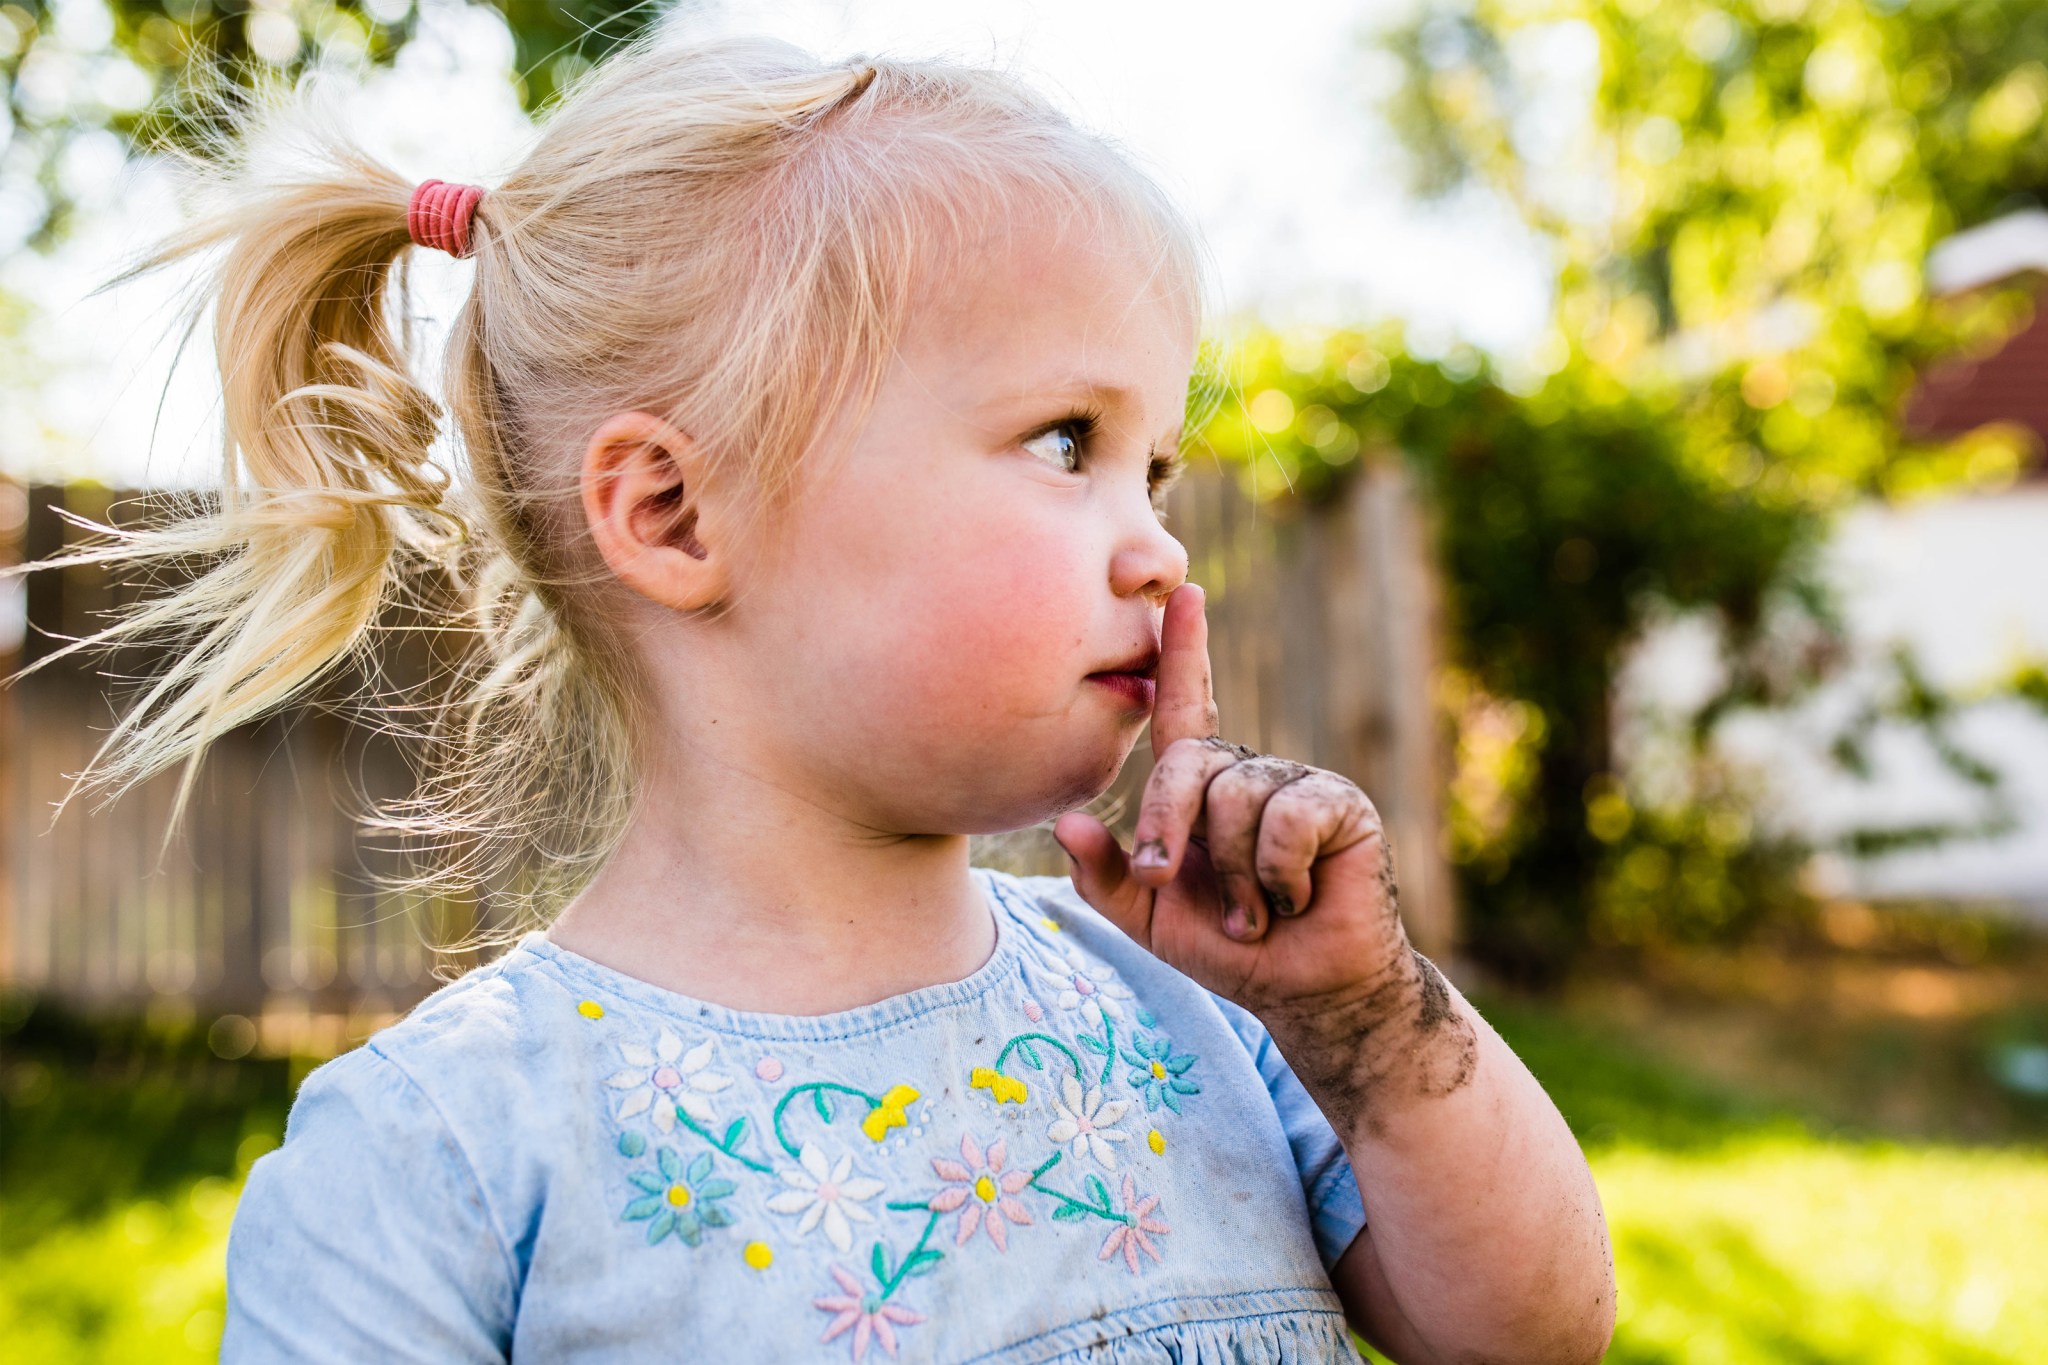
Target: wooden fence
(269, 904)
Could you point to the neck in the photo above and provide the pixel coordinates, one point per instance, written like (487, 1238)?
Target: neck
(733, 888)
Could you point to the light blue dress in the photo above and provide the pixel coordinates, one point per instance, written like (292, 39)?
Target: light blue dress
(1075, 1154)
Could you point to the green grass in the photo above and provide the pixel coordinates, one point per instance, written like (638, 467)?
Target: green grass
(1743, 1233)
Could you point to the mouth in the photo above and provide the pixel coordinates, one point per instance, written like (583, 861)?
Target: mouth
(1134, 681)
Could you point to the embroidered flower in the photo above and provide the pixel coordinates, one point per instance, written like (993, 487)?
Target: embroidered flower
(1131, 1237)
(678, 1199)
(864, 1313)
(889, 1113)
(668, 1074)
(1085, 1122)
(1033, 1011)
(979, 1187)
(1159, 1073)
(1094, 994)
(827, 1194)
(1006, 1089)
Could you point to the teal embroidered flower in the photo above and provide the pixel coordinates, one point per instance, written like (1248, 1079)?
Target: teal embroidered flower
(1159, 1073)
(678, 1199)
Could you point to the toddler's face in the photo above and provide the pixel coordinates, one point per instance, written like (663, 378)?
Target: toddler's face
(932, 636)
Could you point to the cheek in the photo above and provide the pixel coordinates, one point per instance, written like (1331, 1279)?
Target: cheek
(1000, 617)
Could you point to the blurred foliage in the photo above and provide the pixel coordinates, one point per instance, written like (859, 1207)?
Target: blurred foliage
(1741, 196)
(177, 71)
(1738, 199)
(1561, 514)
(125, 1143)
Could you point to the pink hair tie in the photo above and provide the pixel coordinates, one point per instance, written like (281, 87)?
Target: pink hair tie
(439, 215)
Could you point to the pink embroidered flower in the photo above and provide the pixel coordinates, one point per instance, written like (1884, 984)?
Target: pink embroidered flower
(1033, 1011)
(979, 1187)
(865, 1314)
(1130, 1237)
(1085, 1120)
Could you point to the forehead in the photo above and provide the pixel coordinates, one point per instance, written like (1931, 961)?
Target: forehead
(1025, 306)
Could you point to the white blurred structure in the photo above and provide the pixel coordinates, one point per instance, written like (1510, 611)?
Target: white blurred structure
(1963, 583)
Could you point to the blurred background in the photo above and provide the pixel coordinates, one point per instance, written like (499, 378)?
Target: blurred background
(1621, 451)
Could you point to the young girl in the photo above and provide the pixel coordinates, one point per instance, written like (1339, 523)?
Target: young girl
(813, 421)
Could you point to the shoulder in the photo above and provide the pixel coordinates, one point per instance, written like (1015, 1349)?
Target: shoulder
(481, 1075)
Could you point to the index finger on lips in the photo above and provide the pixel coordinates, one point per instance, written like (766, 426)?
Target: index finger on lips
(1172, 802)
(1185, 704)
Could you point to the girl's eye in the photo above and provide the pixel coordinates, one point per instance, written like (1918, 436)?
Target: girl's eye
(1061, 447)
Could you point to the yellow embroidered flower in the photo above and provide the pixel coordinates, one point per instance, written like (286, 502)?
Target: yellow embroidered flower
(1156, 1140)
(759, 1255)
(1051, 924)
(590, 1009)
(1004, 1088)
(889, 1113)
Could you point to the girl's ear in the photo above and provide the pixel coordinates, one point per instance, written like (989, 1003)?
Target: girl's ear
(643, 493)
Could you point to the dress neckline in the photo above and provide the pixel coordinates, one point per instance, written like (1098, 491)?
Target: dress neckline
(862, 1020)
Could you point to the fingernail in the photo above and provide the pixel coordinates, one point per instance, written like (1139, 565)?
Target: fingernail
(1282, 903)
(1151, 853)
(1237, 922)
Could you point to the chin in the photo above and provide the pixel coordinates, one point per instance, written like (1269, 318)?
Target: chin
(998, 798)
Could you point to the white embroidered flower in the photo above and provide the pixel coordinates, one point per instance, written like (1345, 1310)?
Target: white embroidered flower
(669, 1075)
(827, 1194)
(1085, 1121)
(1094, 991)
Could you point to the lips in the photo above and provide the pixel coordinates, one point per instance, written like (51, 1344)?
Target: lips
(1134, 681)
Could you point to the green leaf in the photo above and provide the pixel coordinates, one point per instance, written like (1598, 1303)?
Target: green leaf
(1067, 1213)
(1097, 1191)
(736, 1130)
(824, 1107)
(631, 1143)
(880, 1264)
(923, 1263)
(1031, 1055)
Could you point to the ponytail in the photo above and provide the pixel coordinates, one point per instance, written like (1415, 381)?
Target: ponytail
(328, 490)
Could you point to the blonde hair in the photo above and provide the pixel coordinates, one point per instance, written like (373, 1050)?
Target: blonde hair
(728, 234)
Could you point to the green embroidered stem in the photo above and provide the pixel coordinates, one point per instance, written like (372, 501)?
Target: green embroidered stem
(1022, 1038)
(1100, 1209)
(818, 1089)
(734, 1133)
(1108, 1044)
(910, 1264)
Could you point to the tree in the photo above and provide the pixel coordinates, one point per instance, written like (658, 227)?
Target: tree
(1738, 199)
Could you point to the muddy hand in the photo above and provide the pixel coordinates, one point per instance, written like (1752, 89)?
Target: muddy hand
(1265, 880)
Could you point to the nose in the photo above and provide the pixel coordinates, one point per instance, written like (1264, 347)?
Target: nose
(1148, 562)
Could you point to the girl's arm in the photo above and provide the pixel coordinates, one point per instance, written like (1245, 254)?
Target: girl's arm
(1486, 1238)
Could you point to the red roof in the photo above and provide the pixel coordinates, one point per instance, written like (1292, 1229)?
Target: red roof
(2009, 385)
